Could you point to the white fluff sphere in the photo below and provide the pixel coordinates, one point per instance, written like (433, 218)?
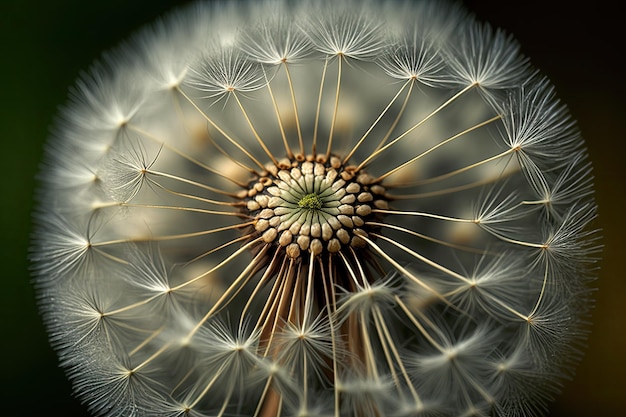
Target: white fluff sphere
(282, 208)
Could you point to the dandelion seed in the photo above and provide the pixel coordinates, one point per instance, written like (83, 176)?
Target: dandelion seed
(316, 209)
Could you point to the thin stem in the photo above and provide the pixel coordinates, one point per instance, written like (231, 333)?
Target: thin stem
(432, 239)
(378, 317)
(405, 272)
(222, 246)
(262, 400)
(418, 325)
(371, 364)
(515, 241)
(415, 126)
(146, 341)
(380, 116)
(270, 305)
(352, 273)
(185, 181)
(262, 281)
(329, 296)
(152, 357)
(543, 289)
(186, 209)
(208, 386)
(423, 258)
(278, 117)
(393, 126)
(510, 169)
(254, 131)
(423, 214)
(171, 237)
(384, 343)
(183, 155)
(319, 106)
(464, 169)
(232, 290)
(309, 292)
(450, 139)
(282, 309)
(219, 129)
(335, 108)
(295, 107)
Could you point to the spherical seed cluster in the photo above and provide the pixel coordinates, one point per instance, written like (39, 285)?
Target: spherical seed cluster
(328, 208)
(314, 206)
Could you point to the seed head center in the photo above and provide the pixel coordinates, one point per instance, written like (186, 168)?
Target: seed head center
(311, 202)
(312, 205)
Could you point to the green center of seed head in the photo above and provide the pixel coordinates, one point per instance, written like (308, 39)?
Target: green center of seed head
(311, 202)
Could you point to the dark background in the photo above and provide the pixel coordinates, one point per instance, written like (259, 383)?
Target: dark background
(44, 46)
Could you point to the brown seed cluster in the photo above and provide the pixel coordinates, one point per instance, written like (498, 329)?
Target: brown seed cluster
(309, 204)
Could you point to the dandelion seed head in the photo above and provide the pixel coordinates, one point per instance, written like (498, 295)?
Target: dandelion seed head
(313, 206)
(321, 208)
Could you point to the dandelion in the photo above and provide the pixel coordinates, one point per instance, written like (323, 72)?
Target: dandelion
(315, 209)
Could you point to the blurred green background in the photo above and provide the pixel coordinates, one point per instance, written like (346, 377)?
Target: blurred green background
(44, 46)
